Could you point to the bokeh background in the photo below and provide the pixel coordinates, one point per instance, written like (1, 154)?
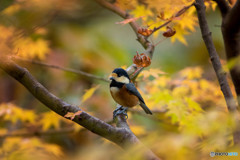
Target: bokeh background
(191, 118)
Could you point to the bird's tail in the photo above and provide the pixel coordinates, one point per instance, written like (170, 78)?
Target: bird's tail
(145, 108)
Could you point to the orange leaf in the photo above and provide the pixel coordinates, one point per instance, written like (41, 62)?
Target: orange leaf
(72, 115)
(126, 21)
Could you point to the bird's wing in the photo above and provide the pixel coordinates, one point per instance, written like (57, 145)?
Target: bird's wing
(133, 90)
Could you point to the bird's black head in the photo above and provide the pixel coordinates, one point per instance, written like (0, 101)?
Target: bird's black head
(120, 75)
(120, 72)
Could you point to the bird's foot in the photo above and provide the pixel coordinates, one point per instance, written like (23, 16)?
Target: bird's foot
(120, 110)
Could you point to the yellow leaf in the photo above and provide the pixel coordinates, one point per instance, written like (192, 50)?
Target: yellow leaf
(142, 11)
(14, 113)
(89, 93)
(192, 73)
(26, 47)
(152, 72)
(179, 35)
(181, 91)
(49, 119)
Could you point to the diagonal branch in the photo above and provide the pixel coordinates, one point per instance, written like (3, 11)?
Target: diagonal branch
(120, 136)
(59, 106)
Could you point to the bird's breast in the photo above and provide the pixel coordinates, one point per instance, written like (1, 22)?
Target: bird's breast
(123, 97)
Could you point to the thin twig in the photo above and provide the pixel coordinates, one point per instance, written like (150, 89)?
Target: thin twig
(179, 13)
(62, 68)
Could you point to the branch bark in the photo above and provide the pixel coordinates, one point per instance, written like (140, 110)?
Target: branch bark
(121, 136)
(221, 75)
(231, 36)
(223, 6)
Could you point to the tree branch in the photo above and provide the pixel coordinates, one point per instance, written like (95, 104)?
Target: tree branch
(120, 136)
(221, 75)
(223, 6)
(62, 68)
(222, 79)
(231, 36)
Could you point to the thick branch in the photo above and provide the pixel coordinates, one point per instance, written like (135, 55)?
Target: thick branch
(120, 136)
(62, 68)
(223, 6)
(117, 135)
(231, 36)
(222, 78)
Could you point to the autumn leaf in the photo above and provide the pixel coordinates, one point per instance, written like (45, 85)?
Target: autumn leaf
(88, 93)
(49, 119)
(142, 11)
(152, 72)
(126, 21)
(72, 115)
(13, 113)
(28, 48)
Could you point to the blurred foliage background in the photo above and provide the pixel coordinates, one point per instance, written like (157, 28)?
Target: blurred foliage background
(191, 118)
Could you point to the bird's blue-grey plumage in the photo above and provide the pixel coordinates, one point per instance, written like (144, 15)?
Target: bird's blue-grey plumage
(133, 90)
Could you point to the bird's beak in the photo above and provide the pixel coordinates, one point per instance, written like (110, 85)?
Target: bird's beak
(113, 76)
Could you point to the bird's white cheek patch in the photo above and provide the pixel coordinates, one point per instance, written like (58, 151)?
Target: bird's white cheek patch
(122, 79)
(114, 90)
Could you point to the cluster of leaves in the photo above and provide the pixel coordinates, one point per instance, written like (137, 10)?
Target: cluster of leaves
(196, 109)
(23, 26)
(17, 123)
(155, 13)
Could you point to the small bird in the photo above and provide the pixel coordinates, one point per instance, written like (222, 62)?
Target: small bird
(125, 93)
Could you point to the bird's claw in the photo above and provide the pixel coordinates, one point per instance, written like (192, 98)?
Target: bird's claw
(120, 110)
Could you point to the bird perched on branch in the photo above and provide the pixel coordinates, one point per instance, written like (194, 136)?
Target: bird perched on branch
(125, 93)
